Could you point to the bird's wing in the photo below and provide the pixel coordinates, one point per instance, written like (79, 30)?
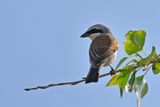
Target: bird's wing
(100, 49)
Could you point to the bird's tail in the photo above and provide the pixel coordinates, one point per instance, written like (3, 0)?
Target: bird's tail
(92, 75)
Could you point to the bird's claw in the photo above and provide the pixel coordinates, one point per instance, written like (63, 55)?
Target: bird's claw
(112, 72)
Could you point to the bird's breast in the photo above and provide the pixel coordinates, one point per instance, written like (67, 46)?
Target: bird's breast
(109, 59)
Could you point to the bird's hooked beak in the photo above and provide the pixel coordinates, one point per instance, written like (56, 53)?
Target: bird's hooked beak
(84, 35)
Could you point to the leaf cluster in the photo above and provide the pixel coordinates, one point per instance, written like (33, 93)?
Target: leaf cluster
(137, 62)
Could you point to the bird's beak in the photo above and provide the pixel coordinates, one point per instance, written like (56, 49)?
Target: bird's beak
(84, 35)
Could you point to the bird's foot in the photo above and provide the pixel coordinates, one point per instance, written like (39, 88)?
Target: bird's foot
(112, 72)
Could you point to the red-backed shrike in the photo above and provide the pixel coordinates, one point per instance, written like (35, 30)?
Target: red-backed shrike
(102, 51)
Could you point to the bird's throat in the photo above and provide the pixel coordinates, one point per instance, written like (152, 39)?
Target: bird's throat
(94, 35)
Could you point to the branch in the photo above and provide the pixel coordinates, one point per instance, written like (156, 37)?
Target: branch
(83, 79)
(68, 83)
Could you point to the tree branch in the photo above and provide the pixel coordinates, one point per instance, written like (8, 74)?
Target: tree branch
(83, 79)
(68, 83)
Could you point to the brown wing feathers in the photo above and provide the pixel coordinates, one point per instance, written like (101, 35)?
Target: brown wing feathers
(98, 49)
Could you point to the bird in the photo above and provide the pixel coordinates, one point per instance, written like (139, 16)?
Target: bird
(102, 51)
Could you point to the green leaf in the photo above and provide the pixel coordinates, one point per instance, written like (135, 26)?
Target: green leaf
(139, 80)
(148, 59)
(141, 87)
(131, 81)
(144, 90)
(113, 81)
(123, 78)
(122, 82)
(134, 41)
(120, 62)
(156, 67)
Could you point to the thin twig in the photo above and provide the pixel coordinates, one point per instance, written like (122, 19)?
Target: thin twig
(67, 83)
(148, 69)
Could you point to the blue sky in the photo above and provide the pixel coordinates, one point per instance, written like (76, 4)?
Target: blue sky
(40, 43)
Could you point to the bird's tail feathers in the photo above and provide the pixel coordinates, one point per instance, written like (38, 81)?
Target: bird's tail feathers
(92, 75)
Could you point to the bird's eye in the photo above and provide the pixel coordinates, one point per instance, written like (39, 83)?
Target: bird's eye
(114, 50)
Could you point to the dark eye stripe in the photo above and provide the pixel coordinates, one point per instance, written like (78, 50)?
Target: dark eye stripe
(95, 31)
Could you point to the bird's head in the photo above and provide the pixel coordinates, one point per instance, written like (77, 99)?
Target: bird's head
(95, 31)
